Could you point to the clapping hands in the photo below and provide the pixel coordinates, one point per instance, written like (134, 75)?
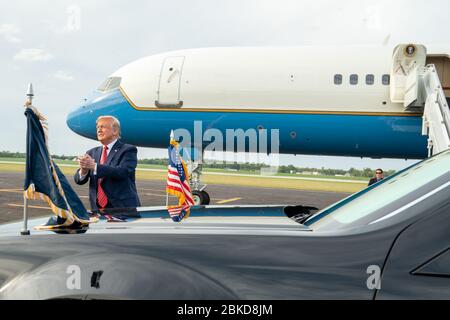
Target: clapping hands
(86, 163)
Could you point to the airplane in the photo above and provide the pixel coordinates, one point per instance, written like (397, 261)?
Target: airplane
(359, 101)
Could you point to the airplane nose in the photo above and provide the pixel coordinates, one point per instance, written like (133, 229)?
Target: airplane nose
(82, 119)
(73, 121)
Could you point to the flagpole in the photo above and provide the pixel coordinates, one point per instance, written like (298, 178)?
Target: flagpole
(167, 194)
(25, 231)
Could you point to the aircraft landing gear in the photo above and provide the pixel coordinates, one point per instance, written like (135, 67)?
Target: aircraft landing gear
(201, 197)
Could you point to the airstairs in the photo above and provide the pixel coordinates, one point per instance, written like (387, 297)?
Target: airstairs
(419, 88)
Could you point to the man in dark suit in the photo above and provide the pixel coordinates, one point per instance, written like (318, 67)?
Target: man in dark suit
(110, 169)
(378, 176)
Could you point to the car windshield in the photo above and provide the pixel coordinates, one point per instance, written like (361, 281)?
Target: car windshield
(364, 207)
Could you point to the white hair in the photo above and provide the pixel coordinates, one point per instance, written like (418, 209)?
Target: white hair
(115, 123)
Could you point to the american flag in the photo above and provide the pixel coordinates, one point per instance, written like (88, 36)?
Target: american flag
(178, 184)
(178, 213)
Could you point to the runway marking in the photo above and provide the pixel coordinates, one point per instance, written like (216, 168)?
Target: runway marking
(147, 189)
(220, 200)
(34, 207)
(228, 200)
(156, 195)
(12, 190)
(21, 191)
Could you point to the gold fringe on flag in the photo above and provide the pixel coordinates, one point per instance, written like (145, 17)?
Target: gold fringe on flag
(180, 195)
(31, 193)
(70, 217)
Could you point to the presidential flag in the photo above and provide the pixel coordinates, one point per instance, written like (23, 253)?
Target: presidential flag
(44, 180)
(178, 184)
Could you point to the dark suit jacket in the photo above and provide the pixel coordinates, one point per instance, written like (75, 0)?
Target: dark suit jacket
(373, 180)
(118, 173)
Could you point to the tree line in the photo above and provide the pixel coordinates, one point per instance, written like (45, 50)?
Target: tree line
(252, 167)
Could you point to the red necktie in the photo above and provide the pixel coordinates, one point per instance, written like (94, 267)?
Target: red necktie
(101, 196)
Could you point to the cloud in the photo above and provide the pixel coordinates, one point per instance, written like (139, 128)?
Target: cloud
(32, 55)
(62, 75)
(10, 32)
(71, 24)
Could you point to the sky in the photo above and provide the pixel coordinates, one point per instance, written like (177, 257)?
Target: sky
(67, 48)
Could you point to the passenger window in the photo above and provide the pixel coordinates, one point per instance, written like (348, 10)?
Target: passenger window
(370, 79)
(353, 79)
(386, 79)
(338, 79)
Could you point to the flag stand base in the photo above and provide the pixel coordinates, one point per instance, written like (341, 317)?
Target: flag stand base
(25, 233)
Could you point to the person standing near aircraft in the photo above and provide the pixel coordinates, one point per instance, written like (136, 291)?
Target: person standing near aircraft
(110, 168)
(378, 176)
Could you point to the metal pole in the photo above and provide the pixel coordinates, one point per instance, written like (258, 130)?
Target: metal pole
(167, 199)
(167, 194)
(25, 231)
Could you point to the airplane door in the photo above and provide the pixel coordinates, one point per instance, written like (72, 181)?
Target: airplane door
(169, 83)
(407, 60)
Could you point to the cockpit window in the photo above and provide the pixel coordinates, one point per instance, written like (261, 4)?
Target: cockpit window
(110, 84)
(367, 205)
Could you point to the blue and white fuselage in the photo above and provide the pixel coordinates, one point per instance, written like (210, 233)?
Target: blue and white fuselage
(322, 100)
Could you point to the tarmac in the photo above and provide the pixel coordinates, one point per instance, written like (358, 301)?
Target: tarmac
(152, 193)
